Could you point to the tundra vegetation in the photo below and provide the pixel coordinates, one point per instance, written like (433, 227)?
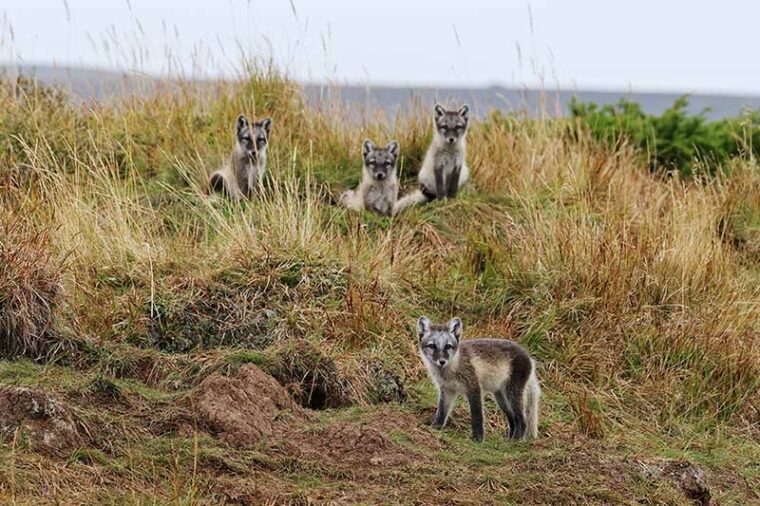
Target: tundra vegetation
(141, 320)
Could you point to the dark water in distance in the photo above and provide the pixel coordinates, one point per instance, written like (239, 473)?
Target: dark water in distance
(87, 83)
(554, 103)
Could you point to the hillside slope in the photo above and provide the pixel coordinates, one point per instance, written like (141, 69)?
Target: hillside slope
(163, 346)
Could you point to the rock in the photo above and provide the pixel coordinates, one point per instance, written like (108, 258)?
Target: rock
(45, 421)
(691, 479)
(386, 385)
(247, 408)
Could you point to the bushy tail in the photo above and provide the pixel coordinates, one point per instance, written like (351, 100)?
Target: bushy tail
(531, 400)
(216, 183)
(410, 199)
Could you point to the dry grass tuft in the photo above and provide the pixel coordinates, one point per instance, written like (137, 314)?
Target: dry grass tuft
(30, 287)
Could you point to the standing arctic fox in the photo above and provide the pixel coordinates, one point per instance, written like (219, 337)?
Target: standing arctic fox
(444, 169)
(497, 366)
(244, 171)
(378, 189)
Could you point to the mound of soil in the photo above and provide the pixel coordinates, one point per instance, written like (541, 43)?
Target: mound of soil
(253, 406)
(41, 419)
(245, 409)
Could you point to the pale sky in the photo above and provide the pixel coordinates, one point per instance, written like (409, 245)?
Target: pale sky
(640, 45)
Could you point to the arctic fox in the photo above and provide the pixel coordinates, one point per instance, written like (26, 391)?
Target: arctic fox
(470, 368)
(378, 189)
(444, 169)
(244, 171)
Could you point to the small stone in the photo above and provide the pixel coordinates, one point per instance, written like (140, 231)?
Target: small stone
(45, 420)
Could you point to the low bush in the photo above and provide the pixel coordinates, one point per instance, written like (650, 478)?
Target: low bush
(674, 141)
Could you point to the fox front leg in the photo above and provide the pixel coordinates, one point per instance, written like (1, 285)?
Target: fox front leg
(452, 186)
(440, 184)
(444, 407)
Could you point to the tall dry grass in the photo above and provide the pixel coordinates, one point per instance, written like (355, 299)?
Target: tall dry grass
(30, 287)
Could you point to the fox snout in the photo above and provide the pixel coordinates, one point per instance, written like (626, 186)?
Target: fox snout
(379, 176)
(442, 362)
(451, 140)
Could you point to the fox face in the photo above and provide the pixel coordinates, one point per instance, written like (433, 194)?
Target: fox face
(451, 125)
(253, 139)
(439, 343)
(380, 163)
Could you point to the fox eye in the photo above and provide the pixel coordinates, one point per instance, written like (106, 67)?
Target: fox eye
(448, 347)
(430, 347)
(387, 165)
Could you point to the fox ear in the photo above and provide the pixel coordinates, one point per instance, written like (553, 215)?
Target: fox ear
(464, 111)
(266, 124)
(439, 110)
(455, 327)
(423, 325)
(393, 148)
(242, 122)
(367, 146)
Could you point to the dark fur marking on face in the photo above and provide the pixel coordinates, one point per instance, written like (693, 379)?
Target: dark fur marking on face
(439, 342)
(451, 125)
(253, 138)
(380, 163)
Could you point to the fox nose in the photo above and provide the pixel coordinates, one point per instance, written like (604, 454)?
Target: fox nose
(442, 362)
(380, 176)
(451, 140)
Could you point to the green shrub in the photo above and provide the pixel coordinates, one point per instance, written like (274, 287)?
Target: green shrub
(675, 140)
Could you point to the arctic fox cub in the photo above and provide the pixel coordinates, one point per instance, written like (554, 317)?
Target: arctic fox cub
(471, 368)
(444, 169)
(378, 189)
(244, 171)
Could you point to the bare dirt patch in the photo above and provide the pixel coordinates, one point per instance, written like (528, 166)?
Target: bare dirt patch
(45, 421)
(363, 443)
(349, 443)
